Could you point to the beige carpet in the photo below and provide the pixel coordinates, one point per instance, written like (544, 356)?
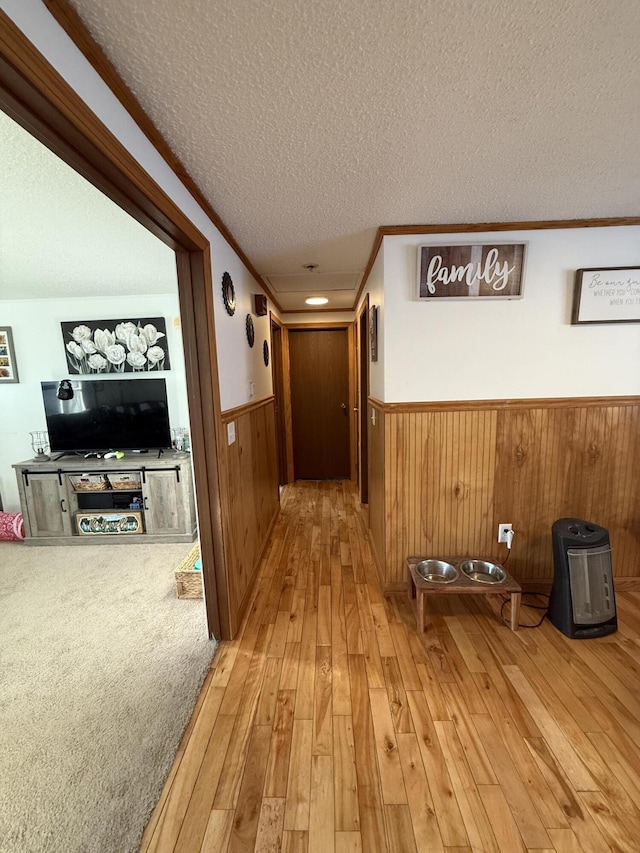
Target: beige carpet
(100, 666)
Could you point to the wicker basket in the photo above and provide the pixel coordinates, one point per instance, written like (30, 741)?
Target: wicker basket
(188, 578)
(122, 481)
(89, 482)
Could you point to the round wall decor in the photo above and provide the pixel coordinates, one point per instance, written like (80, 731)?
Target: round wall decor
(251, 334)
(265, 353)
(228, 294)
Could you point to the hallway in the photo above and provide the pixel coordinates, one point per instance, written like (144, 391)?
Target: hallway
(329, 724)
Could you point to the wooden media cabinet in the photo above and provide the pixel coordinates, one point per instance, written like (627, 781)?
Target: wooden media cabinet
(146, 494)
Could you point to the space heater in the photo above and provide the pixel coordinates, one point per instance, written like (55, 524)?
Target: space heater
(582, 603)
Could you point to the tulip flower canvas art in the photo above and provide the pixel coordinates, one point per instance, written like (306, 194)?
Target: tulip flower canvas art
(116, 346)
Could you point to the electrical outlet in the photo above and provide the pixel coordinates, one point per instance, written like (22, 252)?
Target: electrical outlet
(503, 529)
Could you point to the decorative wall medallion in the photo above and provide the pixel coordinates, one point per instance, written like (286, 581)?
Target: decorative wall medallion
(251, 334)
(228, 294)
(265, 353)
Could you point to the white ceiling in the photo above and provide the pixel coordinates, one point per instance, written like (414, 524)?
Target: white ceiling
(309, 124)
(61, 237)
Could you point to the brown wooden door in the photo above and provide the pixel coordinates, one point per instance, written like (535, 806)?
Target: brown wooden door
(319, 365)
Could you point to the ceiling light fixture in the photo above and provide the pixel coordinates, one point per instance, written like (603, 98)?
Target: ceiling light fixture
(317, 300)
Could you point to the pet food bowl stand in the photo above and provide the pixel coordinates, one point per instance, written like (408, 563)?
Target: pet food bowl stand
(418, 587)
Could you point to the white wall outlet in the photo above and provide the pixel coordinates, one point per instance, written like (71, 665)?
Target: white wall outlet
(373, 416)
(503, 531)
(231, 432)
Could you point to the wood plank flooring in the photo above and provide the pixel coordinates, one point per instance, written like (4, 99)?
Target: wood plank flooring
(330, 724)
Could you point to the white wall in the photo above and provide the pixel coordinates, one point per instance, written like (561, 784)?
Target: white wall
(238, 363)
(485, 349)
(40, 355)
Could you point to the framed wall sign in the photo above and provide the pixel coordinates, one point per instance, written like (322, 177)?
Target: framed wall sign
(606, 295)
(471, 271)
(8, 366)
(373, 332)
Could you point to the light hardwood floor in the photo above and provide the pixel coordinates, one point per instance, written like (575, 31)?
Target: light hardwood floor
(330, 724)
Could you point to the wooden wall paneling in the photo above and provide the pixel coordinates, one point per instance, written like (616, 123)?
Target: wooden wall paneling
(450, 477)
(377, 496)
(251, 505)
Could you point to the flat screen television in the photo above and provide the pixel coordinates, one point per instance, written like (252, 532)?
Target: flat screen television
(108, 414)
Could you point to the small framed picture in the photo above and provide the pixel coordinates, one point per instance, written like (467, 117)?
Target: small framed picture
(373, 332)
(606, 295)
(8, 366)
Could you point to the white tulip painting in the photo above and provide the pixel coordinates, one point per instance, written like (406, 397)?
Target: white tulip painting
(116, 346)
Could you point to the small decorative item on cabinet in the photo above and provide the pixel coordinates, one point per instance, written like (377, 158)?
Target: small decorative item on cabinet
(109, 523)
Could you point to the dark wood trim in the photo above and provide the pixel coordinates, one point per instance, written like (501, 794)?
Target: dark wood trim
(273, 318)
(232, 414)
(367, 270)
(195, 292)
(316, 310)
(288, 415)
(363, 367)
(34, 94)
(487, 405)
(40, 100)
(316, 327)
(535, 225)
(475, 227)
(72, 24)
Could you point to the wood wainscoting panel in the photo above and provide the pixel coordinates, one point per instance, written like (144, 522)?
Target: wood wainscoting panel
(450, 477)
(251, 501)
(377, 486)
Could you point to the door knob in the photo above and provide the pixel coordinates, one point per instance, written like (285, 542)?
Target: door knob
(344, 407)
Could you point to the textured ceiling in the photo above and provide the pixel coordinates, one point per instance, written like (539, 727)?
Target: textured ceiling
(60, 237)
(309, 124)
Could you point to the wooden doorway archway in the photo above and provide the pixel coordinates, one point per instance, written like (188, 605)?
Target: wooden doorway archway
(39, 99)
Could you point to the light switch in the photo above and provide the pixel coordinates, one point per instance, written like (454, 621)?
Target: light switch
(231, 432)
(252, 389)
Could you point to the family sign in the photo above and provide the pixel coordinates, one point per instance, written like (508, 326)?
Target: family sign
(471, 271)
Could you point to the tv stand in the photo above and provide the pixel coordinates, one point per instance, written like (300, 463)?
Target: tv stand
(77, 501)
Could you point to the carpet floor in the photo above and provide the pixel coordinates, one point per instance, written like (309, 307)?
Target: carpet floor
(100, 667)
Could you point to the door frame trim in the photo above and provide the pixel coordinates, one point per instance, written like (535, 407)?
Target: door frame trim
(363, 395)
(318, 327)
(36, 96)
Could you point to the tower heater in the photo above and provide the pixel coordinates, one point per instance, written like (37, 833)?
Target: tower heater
(582, 603)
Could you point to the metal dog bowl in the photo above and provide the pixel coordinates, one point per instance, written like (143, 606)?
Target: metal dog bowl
(483, 572)
(437, 571)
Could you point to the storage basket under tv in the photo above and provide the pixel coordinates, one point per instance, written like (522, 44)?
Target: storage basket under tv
(188, 578)
(125, 480)
(89, 482)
